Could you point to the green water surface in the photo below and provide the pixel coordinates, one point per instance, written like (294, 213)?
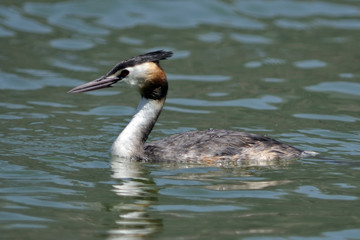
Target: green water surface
(283, 68)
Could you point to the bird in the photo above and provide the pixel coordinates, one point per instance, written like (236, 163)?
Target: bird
(212, 145)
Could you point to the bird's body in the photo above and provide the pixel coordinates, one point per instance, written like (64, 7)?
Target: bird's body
(219, 145)
(145, 72)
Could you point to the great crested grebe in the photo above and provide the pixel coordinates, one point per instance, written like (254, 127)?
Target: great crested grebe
(145, 72)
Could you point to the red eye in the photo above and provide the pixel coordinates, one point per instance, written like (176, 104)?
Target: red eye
(124, 73)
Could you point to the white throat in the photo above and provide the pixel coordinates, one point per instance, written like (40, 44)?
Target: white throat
(130, 142)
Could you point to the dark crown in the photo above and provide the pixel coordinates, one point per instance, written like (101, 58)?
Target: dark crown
(147, 57)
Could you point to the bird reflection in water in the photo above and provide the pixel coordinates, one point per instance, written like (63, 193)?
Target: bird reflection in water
(138, 192)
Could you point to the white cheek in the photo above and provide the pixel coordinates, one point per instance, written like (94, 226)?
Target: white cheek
(137, 75)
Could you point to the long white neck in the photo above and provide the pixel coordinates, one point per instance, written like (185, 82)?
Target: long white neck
(130, 142)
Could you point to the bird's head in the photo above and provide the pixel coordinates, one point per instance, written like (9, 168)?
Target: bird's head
(143, 71)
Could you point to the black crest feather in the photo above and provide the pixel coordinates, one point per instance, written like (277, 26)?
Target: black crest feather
(147, 57)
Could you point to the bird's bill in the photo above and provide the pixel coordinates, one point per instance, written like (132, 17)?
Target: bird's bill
(103, 82)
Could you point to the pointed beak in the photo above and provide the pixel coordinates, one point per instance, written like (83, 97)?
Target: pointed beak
(103, 82)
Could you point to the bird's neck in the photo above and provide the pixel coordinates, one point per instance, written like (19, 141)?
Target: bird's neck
(130, 142)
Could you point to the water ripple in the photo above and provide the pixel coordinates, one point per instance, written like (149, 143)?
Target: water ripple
(211, 37)
(194, 208)
(348, 24)
(51, 104)
(14, 20)
(198, 78)
(291, 24)
(34, 79)
(352, 88)
(186, 110)
(294, 9)
(205, 194)
(250, 39)
(325, 133)
(266, 61)
(43, 201)
(314, 192)
(342, 118)
(13, 105)
(68, 15)
(71, 44)
(10, 81)
(253, 103)
(134, 14)
(10, 216)
(108, 111)
(309, 64)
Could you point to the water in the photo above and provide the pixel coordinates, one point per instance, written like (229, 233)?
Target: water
(286, 69)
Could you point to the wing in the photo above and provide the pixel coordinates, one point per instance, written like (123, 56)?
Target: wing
(212, 145)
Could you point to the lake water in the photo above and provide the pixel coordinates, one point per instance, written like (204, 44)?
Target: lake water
(285, 69)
